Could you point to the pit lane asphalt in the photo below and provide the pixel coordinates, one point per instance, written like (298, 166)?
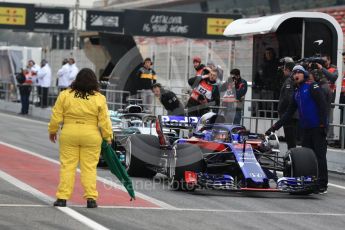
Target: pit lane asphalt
(199, 210)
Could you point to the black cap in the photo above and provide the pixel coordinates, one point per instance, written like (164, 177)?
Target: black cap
(155, 85)
(147, 59)
(235, 72)
(289, 65)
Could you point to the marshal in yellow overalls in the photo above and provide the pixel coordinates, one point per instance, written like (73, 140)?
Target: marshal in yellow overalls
(85, 121)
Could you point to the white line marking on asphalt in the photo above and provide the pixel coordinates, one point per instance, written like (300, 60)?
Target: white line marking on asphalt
(101, 179)
(335, 150)
(83, 219)
(74, 213)
(30, 152)
(47, 199)
(24, 205)
(336, 186)
(25, 187)
(23, 118)
(329, 184)
(228, 211)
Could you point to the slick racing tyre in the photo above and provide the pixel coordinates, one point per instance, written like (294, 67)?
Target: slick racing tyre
(101, 162)
(188, 158)
(142, 154)
(299, 162)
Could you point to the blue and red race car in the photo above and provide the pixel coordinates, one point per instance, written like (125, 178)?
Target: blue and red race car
(211, 154)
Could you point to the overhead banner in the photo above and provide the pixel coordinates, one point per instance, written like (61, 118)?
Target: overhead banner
(52, 18)
(16, 16)
(104, 21)
(168, 23)
(160, 23)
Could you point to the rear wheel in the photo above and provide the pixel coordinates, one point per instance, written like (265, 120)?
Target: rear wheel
(188, 157)
(142, 154)
(101, 162)
(301, 162)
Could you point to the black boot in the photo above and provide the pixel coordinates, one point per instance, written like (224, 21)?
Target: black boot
(91, 203)
(60, 203)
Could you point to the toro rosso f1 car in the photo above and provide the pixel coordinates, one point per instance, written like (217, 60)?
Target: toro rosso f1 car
(211, 154)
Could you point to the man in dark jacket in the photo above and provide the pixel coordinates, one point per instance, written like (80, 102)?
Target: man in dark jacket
(168, 99)
(146, 76)
(241, 87)
(285, 98)
(312, 109)
(205, 93)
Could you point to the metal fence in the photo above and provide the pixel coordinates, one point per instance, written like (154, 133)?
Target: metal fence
(265, 111)
(5, 91)
(257, 114)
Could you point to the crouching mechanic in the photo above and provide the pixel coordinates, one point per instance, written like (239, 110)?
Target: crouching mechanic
(168, 99)
(83, 112)
(311, 103)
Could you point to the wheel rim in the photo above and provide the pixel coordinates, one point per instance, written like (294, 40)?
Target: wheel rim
(172, 166)
(291, 166)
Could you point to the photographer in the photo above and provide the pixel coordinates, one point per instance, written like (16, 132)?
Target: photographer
(311, 103)
(316, 75)
(205, 93)
(285, 98)
(212, 65)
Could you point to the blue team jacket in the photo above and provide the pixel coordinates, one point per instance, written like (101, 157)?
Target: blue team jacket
(308, 110)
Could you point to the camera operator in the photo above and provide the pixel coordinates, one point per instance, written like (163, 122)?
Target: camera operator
(205, 93)
(331, 73)
(311, 103)
(285, 98)
(316, 75)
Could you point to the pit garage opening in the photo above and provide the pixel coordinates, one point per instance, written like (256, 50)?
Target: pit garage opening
(294, 34)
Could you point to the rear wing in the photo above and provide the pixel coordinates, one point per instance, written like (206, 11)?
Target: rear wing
(178, 122)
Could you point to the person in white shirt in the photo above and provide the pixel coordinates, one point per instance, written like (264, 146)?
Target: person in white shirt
(44, 76)
(33, 68)
(63, 75)
(73, 70)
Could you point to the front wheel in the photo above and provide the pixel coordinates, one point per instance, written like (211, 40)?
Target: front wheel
(188, 157)
(301, 162)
